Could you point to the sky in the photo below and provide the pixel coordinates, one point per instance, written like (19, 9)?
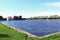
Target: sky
(29, 8)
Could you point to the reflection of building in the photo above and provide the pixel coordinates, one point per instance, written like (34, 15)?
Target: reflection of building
(9, 18)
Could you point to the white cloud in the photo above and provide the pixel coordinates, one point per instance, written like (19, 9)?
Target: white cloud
(54, 4)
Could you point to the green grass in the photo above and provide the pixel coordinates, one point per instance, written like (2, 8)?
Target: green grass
(10, 34)
(52, 37)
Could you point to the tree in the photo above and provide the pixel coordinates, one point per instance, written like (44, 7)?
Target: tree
(15, 18)
(20, 17)
(1, 18)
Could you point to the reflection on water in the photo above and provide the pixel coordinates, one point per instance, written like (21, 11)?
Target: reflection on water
(36, 27)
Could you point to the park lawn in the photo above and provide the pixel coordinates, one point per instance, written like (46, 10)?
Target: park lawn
(10, 34)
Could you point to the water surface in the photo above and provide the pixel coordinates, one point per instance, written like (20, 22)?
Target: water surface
(36, 27)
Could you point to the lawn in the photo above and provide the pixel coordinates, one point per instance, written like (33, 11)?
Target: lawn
(10, 34)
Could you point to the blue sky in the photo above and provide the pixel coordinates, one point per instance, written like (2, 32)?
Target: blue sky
(29, 8)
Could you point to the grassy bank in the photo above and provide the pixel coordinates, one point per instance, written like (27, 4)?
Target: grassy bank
(9, 34)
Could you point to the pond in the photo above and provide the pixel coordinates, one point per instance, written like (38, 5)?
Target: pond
(36, 27)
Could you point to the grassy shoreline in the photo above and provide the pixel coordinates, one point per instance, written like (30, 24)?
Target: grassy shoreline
(18, 30)
(7, 33)
(10, 34)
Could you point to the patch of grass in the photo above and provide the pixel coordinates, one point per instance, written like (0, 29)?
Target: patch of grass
(10, 34)
(4, 35)
(52, 37)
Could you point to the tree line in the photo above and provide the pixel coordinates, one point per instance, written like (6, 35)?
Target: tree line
(32, 18)
(44, 17)
(14, 18)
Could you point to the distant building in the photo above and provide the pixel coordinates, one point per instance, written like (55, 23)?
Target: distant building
(9, 18)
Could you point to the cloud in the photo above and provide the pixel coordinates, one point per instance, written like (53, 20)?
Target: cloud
(54, 4)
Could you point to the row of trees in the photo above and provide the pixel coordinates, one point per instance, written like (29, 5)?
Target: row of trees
(18, 18)
(1, 18)
(32, 18)
(45, 17)
(14, 18)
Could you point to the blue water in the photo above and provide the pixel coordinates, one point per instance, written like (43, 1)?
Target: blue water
(36, 27)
